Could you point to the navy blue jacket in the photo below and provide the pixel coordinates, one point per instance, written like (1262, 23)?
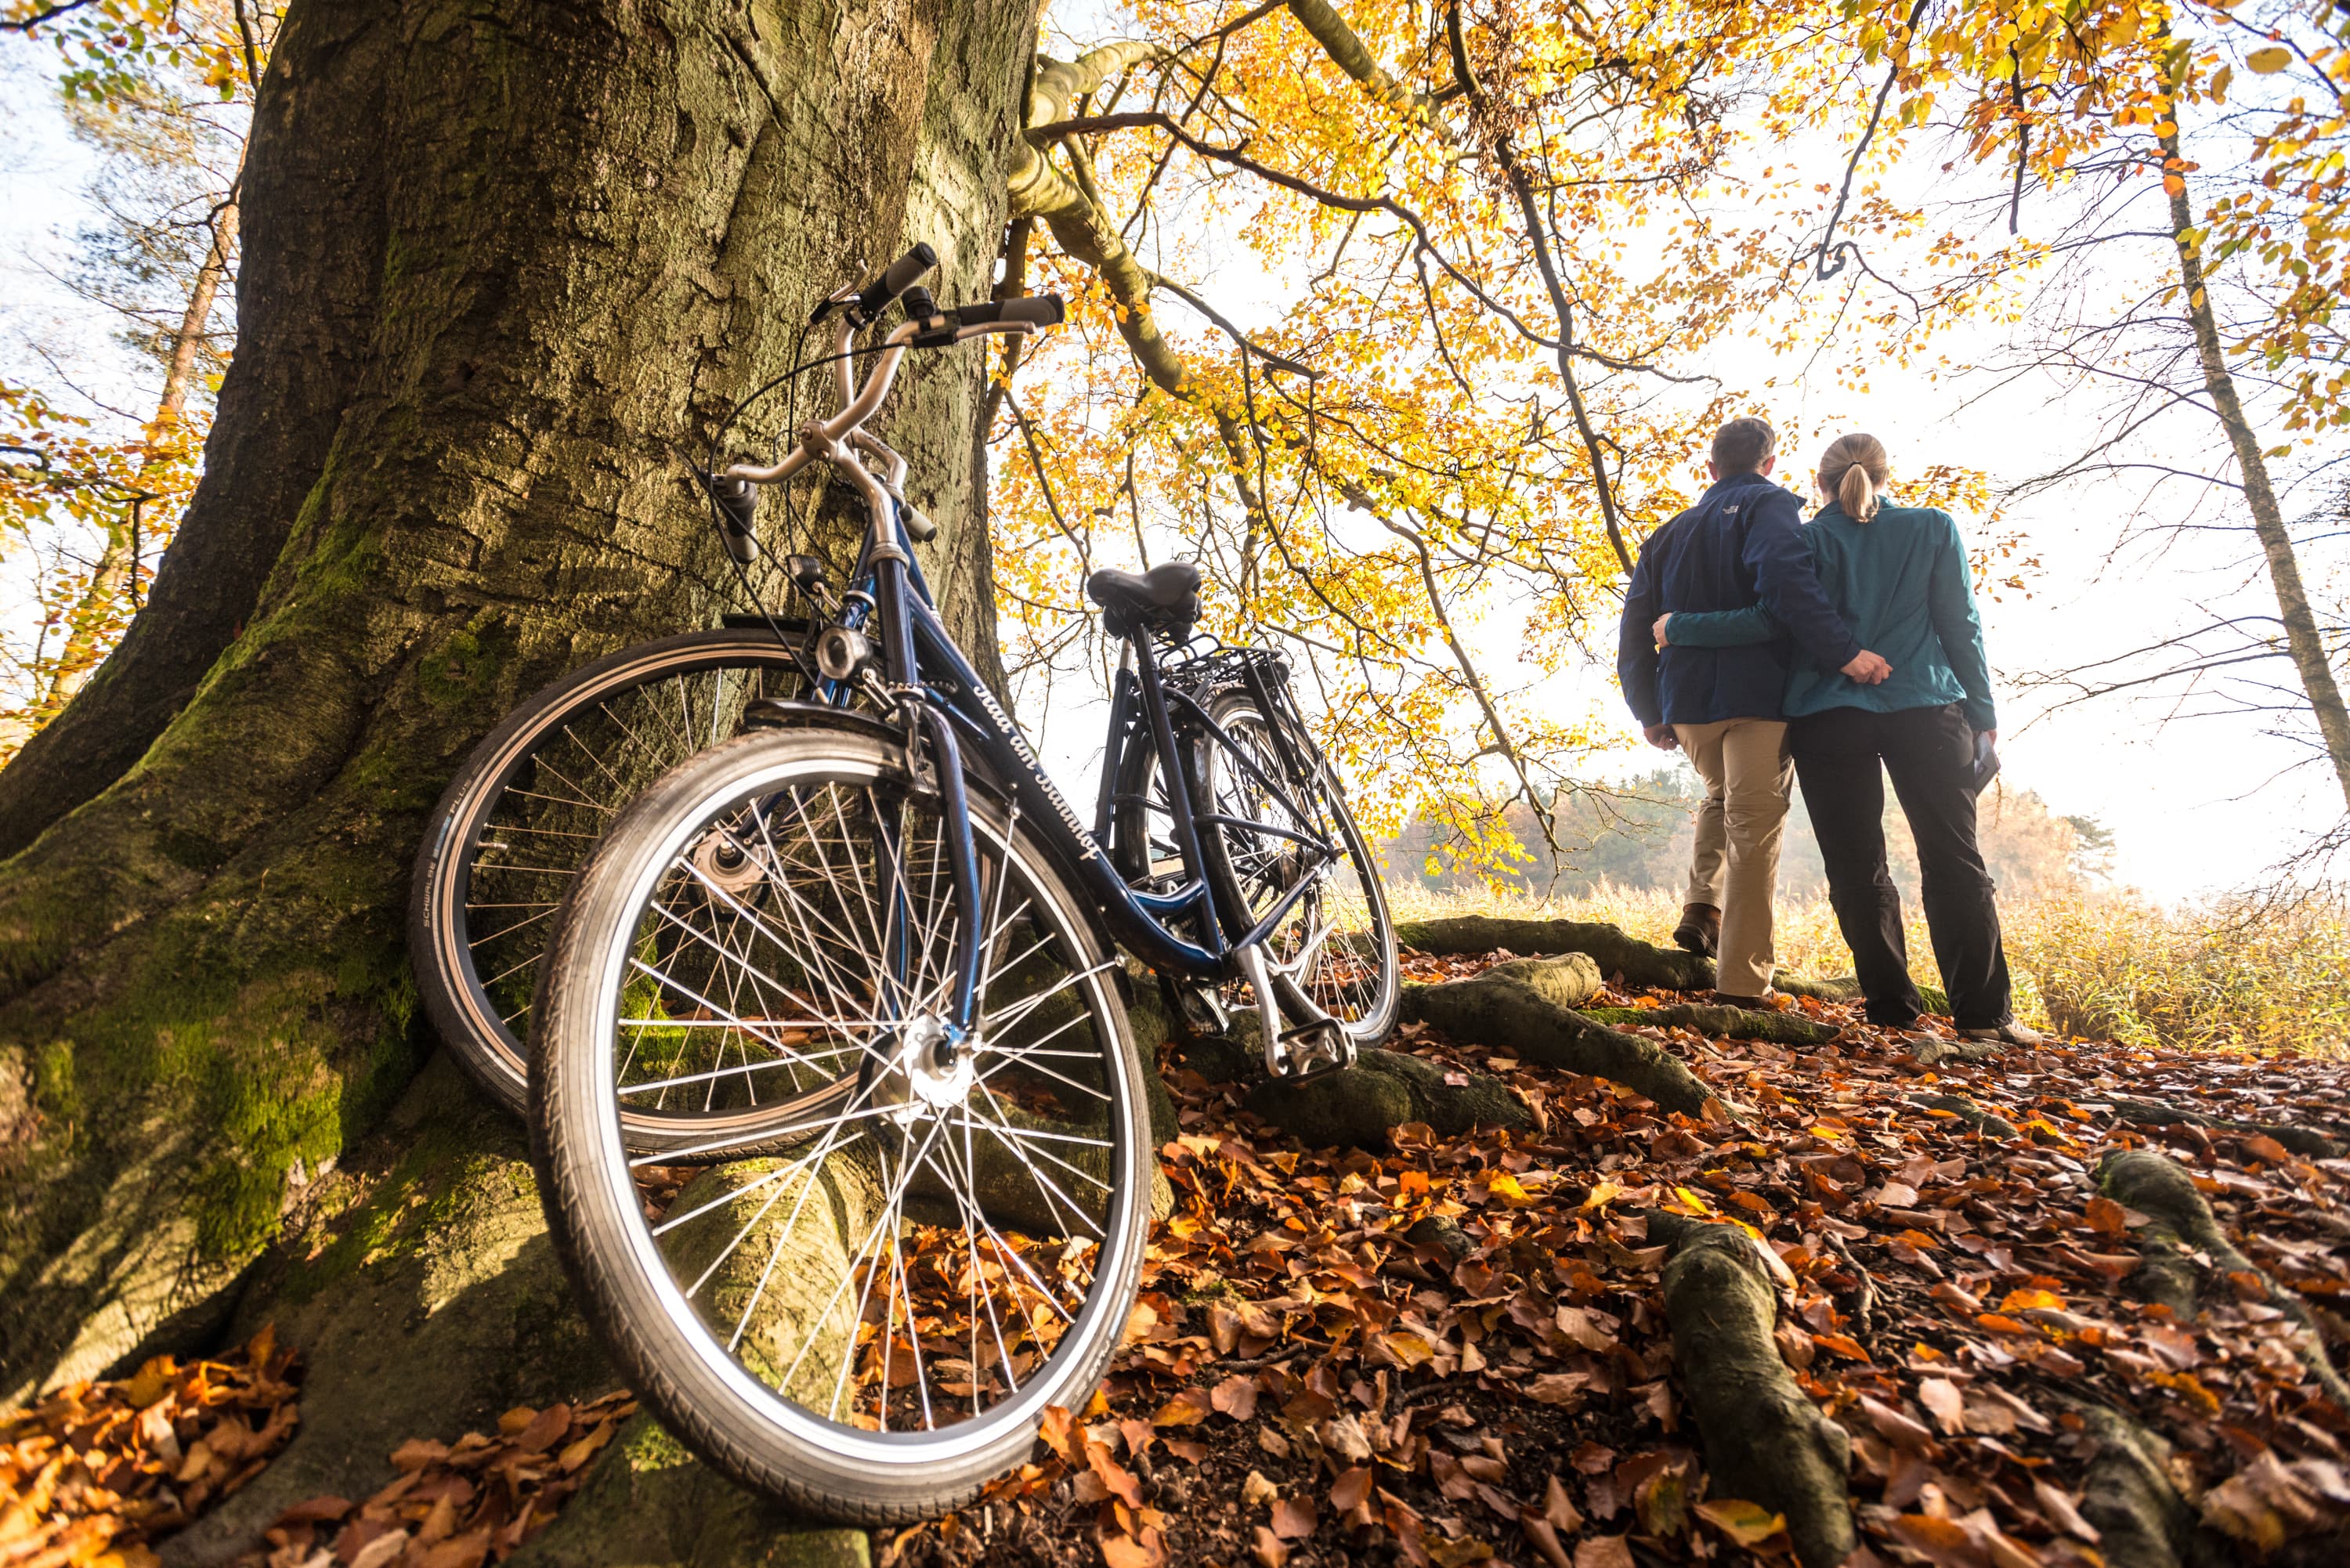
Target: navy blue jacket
(1741, 545)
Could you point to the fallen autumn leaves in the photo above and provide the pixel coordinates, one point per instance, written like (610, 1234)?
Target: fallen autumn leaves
(1462, 1348)
(95, 1471)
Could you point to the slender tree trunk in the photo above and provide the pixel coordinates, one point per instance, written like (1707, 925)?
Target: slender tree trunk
(2303, 640)
(110, 582)
(502, 263)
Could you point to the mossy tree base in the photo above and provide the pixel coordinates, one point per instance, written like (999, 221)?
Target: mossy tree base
(551, 245)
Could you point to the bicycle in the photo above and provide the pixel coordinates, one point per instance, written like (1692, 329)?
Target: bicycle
(865, 1303)
(514, 825)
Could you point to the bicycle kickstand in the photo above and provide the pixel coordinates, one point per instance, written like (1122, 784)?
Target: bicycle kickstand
(1318, 1044)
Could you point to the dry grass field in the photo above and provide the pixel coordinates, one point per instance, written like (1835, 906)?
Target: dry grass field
(2222, 976)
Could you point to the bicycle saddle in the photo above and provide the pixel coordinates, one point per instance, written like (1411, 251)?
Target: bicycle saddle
(1166, 597)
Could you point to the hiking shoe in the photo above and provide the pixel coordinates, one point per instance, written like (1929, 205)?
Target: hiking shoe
(1752, 1003)
(1701, 930)
(2008, 1033)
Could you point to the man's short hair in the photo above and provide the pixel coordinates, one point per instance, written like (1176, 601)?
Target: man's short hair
(1744, 445)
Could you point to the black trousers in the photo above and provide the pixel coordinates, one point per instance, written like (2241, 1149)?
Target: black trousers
(1929, 751)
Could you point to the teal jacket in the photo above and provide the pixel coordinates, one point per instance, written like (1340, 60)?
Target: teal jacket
(1901, 580)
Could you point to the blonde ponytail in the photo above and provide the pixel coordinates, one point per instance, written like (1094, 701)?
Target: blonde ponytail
(1852, 475)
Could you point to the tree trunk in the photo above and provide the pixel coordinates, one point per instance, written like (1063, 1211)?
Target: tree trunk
(503, 262)
(2302, 638)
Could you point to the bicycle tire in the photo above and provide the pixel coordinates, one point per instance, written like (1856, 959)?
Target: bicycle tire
(486, 1034)
(609, 1236)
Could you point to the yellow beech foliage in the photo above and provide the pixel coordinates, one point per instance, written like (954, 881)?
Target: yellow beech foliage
(88, 498)
(1409, 321)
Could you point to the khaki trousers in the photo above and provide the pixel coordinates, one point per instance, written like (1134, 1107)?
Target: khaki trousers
(1736, 867)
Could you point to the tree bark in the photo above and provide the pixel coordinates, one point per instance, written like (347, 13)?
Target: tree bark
(307, 306)
(503, 262)
(2303, 640)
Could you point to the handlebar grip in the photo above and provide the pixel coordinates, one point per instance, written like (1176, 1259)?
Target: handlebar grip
(901, 275)
(1037, 309)
(738, 504)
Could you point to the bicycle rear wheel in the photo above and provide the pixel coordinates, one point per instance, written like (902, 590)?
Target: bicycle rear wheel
(867, 1309)
(512, 828)
(1335, 944)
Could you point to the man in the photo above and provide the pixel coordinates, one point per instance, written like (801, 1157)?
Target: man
(1737, 547)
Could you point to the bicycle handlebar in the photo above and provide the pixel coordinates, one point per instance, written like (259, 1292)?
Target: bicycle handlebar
(1021, 316)
(1036, 311)
(892, 281)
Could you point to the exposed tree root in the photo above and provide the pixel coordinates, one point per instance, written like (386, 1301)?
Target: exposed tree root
(2301, 1140)
(1932, 1051)
(649, 1505)
(2142, 1520)
(1638, 962)
(1384, 1090)
(1569, 979)
(1503, 1013)
(1764, 1441)
(2182, 1226)
(1729, 1022)
(1967, 1111)
(1834, 988)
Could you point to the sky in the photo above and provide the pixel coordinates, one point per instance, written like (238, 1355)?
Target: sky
(2197, 806)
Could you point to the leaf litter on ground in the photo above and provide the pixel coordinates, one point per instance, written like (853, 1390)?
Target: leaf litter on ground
(1456, 1352)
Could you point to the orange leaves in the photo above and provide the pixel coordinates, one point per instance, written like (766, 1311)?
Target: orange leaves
(1392, 1389)
(96, 1471)
(1188, 1408)
(2106, 1217)
(454, 1505)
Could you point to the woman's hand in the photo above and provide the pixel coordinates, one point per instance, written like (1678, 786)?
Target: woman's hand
(1867, 668)
(1657, 632)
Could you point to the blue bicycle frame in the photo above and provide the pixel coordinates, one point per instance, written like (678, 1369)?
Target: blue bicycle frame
(930, 688)
(946, 706)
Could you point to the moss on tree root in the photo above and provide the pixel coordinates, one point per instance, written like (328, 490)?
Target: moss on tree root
(649, 1505)
(2302, 1140)
(1639, 962)
(1502, 1014)
(1384, 1090)
(2128, 1497)
(1724, 1023)
(1764, 1441)
(1967, 1111)
(2182, 1226)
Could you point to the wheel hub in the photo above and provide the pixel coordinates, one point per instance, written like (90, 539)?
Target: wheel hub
(727, 864)
(932, 1069)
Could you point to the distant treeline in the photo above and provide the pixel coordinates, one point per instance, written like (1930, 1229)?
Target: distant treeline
(1637, 834)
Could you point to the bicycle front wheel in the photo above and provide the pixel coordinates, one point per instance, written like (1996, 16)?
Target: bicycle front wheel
(513, 825)
(865, 1309)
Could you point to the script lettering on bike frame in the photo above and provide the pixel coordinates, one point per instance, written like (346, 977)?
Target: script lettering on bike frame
(1079, 834)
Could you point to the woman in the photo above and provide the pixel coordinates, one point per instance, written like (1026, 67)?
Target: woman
(1898, 575)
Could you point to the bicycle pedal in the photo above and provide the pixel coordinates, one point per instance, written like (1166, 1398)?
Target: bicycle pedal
(1320, 1045)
